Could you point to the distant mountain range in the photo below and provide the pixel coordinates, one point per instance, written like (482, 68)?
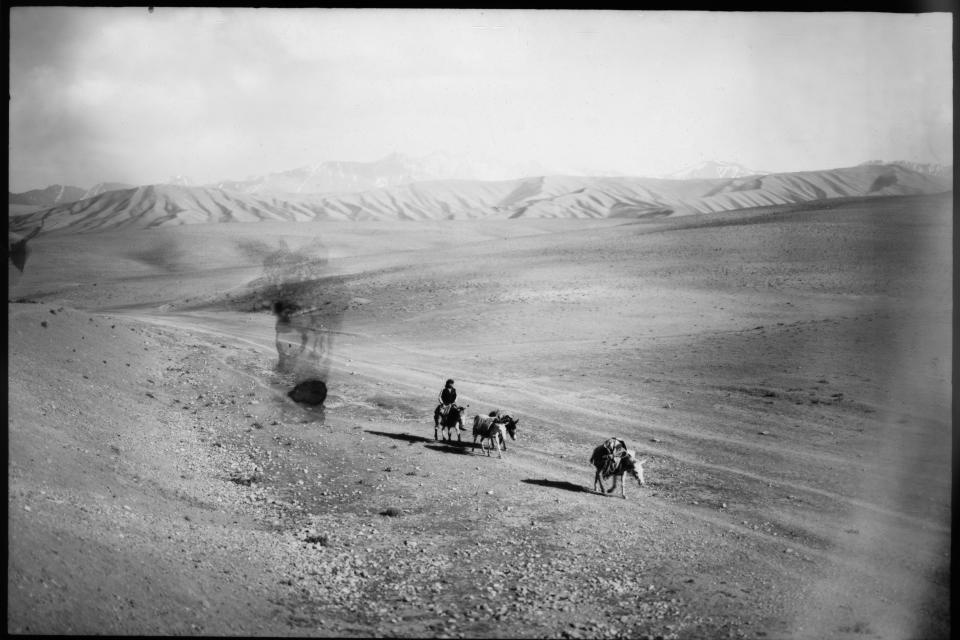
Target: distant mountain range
(61, 194)
(541, 197)
(392, 171)
(340, 177)
(711, 169)
(52, 195)
(928, 168)
(327, 177)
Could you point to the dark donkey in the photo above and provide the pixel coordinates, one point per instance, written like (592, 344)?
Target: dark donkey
(613, 459)
(452, 418)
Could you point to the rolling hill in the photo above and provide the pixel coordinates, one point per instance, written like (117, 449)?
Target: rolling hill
(540, 197)
(53, 195)
(57, 194)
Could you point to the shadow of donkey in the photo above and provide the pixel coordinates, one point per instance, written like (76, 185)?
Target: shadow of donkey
(406, 437)
(559, 484)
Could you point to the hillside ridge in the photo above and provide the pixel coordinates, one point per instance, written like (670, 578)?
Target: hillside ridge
(539, 197)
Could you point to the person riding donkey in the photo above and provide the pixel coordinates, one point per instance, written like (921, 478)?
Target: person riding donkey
(447, 397)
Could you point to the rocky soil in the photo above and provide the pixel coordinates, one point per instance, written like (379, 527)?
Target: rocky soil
(795, 421)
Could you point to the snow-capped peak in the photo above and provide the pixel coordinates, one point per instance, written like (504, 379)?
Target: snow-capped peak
(711, 169)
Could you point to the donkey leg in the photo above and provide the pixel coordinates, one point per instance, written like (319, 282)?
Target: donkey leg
(598, 480)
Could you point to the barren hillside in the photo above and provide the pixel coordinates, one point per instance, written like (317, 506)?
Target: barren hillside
(784, 371)
(542, 197)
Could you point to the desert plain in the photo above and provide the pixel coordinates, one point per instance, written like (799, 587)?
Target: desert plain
(785, 371)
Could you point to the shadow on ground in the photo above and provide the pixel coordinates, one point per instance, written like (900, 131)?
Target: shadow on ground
(462, 448)
(559, 484)
(406, 437)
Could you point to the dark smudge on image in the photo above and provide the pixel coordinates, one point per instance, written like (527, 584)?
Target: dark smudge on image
(308, 304)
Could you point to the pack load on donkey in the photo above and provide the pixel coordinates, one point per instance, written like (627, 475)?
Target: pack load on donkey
(613, 459)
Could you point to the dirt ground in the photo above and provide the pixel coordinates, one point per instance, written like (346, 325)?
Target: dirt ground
(786, 373)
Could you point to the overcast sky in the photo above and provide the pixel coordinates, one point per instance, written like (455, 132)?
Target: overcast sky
(122, 94)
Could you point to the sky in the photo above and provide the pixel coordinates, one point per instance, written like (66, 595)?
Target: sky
(128, 95)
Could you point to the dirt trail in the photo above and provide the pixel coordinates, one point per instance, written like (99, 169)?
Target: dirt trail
(557, 424)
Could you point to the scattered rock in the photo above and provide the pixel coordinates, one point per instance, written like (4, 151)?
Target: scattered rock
(245, 477)
(314, 538)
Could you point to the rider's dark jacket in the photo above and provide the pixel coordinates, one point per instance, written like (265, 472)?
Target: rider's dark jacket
(448, 395)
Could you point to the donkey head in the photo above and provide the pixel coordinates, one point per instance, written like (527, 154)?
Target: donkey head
(511, 426)
(633, 466)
